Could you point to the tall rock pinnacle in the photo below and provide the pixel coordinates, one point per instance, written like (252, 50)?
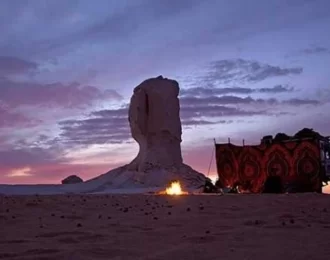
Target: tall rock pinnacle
(154, 116)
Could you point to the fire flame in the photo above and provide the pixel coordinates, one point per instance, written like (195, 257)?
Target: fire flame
(175, 189)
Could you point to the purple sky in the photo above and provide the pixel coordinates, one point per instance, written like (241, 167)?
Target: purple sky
(68, 68)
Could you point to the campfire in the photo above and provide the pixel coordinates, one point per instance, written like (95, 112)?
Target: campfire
(174, 189)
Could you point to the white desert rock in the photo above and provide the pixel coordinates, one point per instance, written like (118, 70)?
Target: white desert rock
(155, 124)
(154, 117)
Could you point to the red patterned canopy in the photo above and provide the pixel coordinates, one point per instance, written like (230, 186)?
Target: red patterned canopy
(251, 165)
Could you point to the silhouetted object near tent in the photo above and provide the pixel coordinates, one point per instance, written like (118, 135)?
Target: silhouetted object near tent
(273, 184)
(297, 184)
(233, 190)
(209, 187)
(280, 137)
(301, 162)
(218, 184)
(267, 140)
(72, 179)
(307, 133)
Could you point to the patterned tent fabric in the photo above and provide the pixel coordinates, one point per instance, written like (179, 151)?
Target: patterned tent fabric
(251, 165)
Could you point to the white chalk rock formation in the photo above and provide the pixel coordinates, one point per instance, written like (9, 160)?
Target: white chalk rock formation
(154, 117)
(155, 124)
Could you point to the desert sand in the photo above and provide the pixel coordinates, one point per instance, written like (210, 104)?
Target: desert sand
(286, 226)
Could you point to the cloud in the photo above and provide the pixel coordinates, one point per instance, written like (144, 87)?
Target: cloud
(203, 91)
(71, 26)
(74, 95)
(323, 93)
(299, 102)
(102, 127)
(242, 71)
(10, 118)
(50, 173)
(315, 50)
(130, 19)
(45, 160)
(216, 111)
(235, 100)
(58, 25)
(111, 126)
(276, 89)
(55, 172)
(193, 122)
(13, 65)
(20, 172)
(115, 113)
(223, 100)
(19, 163)
(29, 156)
(207, 107)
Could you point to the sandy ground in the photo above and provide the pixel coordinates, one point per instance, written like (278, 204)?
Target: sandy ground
(160, 227)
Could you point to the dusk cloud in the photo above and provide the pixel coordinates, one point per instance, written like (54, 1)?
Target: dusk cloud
(235, 100)
(73, 25)
(309, 51)
(111, 126)
(44, 159)
(274, 90)
(74, 95)
(13, 65)
(216, 111)
(103, 127)
(22, 158)
(299, 102)
(315, 50)
(10, 118)
(29, 156)
(193, 122)
(210, 91)
(240, 71)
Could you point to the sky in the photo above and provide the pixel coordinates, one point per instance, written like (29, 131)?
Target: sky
(68, 69)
